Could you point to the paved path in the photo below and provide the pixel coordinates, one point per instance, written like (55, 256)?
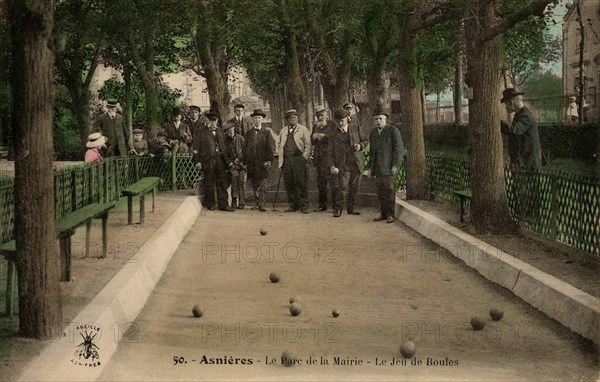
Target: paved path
(387, 282)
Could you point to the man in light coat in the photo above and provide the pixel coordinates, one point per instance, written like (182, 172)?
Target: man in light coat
(294, 148)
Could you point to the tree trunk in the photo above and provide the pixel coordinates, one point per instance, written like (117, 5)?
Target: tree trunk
(458, 80)
(412, 120)
(376, 90)
(40, 302)
(127, 71)
(81, 107)
(490, 212)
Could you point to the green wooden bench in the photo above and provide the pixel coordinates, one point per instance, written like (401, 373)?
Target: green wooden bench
(463, 195)
(141, 188)
(65, 228)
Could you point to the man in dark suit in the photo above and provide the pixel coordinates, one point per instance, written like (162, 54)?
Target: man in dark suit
(386, 153)
(210, 151)
(258, 156)
(523, 135)
(114, 128)
(345, 161)
(241, 123)
(320, 140)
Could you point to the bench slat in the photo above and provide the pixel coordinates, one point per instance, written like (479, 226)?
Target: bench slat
(80, 216)
(142, 186)
(465, 193)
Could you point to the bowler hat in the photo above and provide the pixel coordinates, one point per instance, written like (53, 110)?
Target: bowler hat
(509, 93)
(379, 110)
(258, 112)
(194, 107)
(111, 102)
(291, 112)
(228, 126)
(212, 115)
(320, 109)
(340, 114)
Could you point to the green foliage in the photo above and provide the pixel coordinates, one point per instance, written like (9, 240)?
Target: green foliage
(571, 141)
(167, 98)
(542, 85)
(67, 142)
(528, 45)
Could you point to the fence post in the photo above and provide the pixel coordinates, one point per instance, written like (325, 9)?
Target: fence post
(173, 172)
(106, 178)
(137, 169)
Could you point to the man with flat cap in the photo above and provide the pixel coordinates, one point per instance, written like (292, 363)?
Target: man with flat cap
(258, 156)
(386, 152)
(241, 123)
(211, 152)
(196, 120)
(345, 161)
(294, 148)
(523, 136)
(322, 128)
(112, 125)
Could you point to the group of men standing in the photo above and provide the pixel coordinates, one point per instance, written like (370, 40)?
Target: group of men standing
(240, 150)
(243, 149)
(338, 155)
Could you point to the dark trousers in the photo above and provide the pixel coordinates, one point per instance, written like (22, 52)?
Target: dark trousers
(294, 180)
(238, 186)
(346, 182)
(386, 194)
(215, 178)
(259, 188)
(325, 181)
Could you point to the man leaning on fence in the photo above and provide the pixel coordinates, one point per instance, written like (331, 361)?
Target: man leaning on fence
(525, 154)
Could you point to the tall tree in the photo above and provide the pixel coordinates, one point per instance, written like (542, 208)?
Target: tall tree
(208, 50)
(79, 35)
(490, 212)
(40, 310)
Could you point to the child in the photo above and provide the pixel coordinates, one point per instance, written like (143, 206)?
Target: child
(140, 145)
(235, 143)
(572, 113)
(95, 142)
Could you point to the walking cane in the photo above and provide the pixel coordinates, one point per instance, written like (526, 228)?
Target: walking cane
(277, 192)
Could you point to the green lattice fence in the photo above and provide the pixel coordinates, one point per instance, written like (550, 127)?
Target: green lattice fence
(557, 205)
(76, 186)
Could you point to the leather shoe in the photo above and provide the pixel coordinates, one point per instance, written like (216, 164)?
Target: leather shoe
(337, 214)
(353, 213)
(305, 210)
(390, 219)
(241, 207)
(211, 208)
(322, 208)
(379, 218)
(261, 209)
(227, 209)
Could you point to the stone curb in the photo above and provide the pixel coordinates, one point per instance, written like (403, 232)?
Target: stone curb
(570, 306)
(112, 312)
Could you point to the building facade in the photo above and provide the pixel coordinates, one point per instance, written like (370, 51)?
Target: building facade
(572, 75)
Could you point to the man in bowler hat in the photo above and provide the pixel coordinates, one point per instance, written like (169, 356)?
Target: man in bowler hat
(387, 151)
(294, 148)
(345, 161)
(210, 150)
(112, 125)
(322, 128)
(258, 156)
